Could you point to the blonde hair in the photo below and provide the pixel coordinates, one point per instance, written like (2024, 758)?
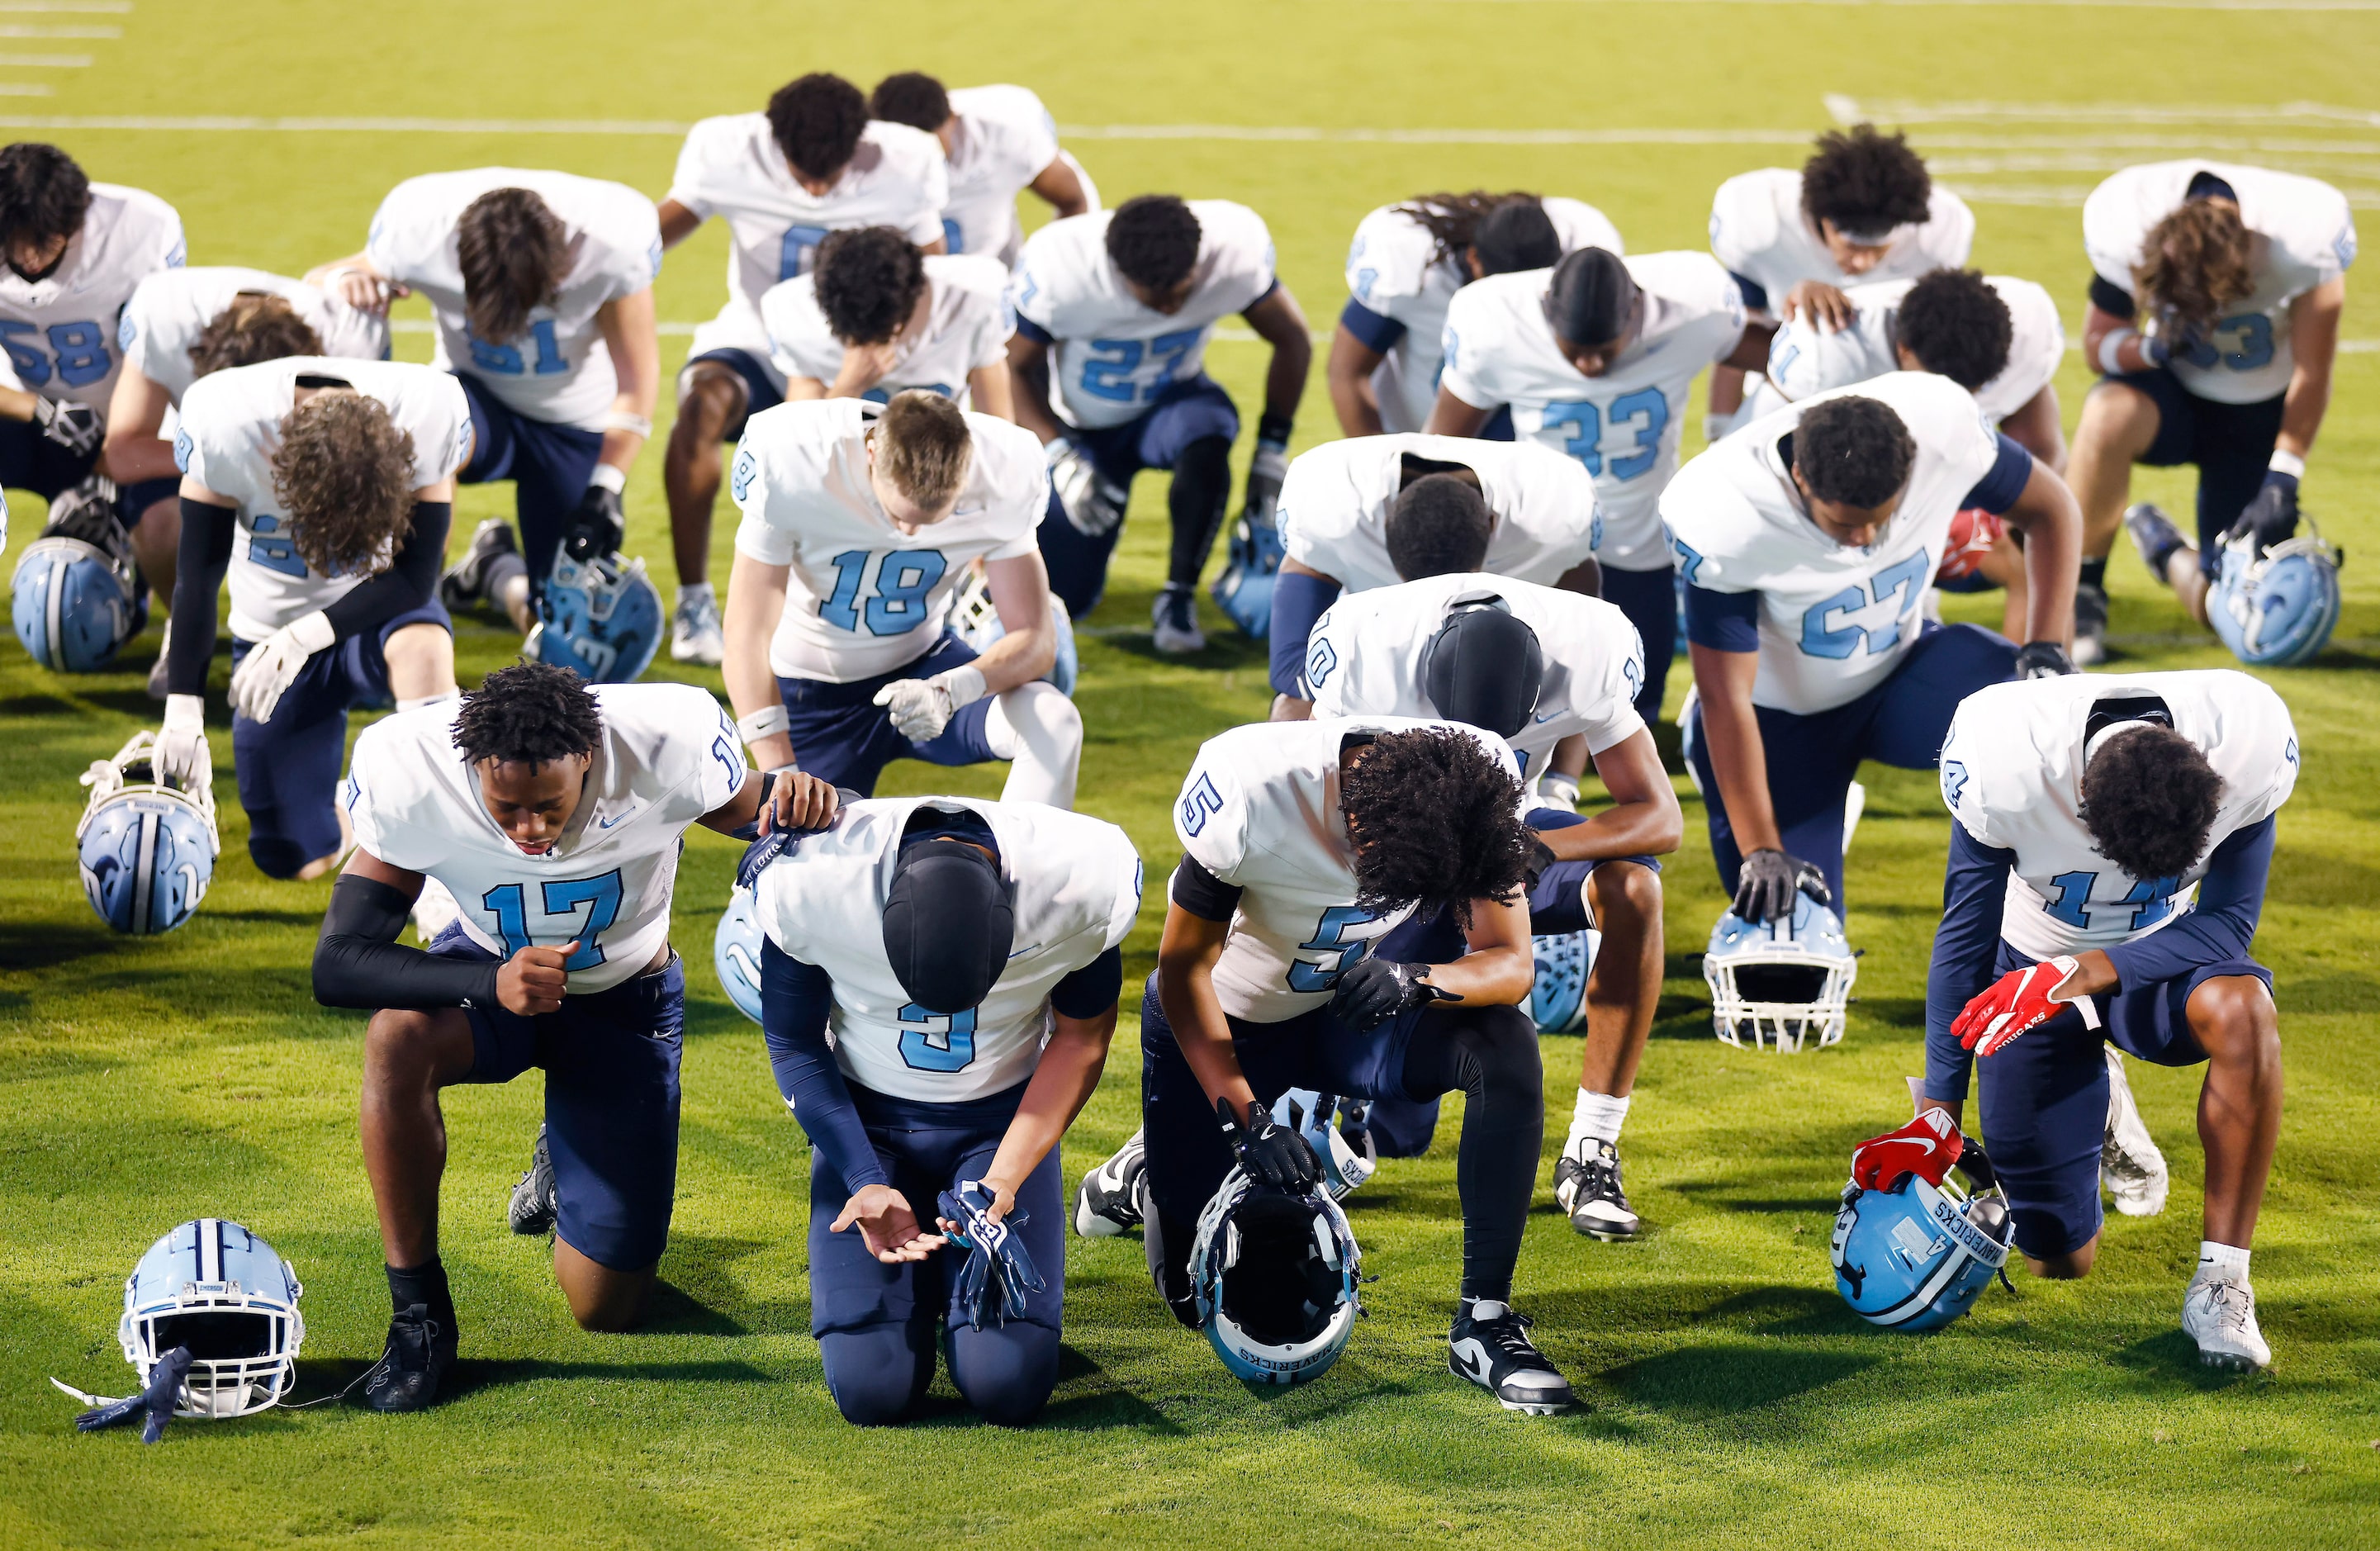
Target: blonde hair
(924, 447)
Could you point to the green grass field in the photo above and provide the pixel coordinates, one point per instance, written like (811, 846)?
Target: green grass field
(1727, 1395)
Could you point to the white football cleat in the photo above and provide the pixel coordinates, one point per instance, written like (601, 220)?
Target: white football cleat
(2219, 1314)
(1586, 1185)
(1109, 1201)
(1175, 618)
(694, 634)
(2129, 1165)
(1489, 1345)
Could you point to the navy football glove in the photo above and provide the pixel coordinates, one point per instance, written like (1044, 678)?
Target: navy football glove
(2043, 660)
(1377, 989)
(155, 1405)
(2272, 516)
(596, 527)
(1768, 881)
(999, 1272)
(1269, 1154)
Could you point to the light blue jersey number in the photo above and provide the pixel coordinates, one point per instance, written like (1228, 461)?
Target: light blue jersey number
(903, 579)
(937, 1041)
(1644, 413)
(1824, 636)
(563, 897)
(1330, 939)
(78, 353)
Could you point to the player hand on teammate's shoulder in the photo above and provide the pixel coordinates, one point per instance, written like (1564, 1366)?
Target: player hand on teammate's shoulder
(1826, 305)
(799, 801)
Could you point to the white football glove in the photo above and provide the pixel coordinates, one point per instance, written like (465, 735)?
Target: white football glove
(1556, 789)
(922, 708)
(274, 664)
(181, 755)
(74, 426)
(1092, 503)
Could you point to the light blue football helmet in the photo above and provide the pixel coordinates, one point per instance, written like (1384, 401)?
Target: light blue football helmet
(1917, 1258)
(1558, 1001)
(1274, 1278)
(976, 622)
(147, 849)
(602, 619)
(1788, 981)
(735, 953)
(217, 1288)
(2277, 609)
(1251, 565)
(1315, 1116)
(76, 597)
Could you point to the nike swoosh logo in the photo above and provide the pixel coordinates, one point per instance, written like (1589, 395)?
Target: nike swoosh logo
(607, 823)
(1548, 717)
(1472, 1363)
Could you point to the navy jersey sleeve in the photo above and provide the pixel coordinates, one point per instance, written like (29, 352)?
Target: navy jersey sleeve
(1756, 295)
(1966, 948)
(2113, 300)
(1997, 491)
(2219, 928)
(1033, 331)
(1724, 621)
(1379, 333)
(1092, 989)
(795, 999)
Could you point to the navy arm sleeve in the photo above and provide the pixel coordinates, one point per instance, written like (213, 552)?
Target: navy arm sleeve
(1966, 949)
(359, 962)
(1297, 601)
(1202, 894)
(1377, 332)
(795, 1001)
(1997, 491)
(1724, 621)
(410, 579)
(1091, 989)
(2219, 928)
(1756, 295)
(2113, 300)
(1034, 331)
(198, 567)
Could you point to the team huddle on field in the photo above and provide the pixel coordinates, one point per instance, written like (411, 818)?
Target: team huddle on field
(929, 424)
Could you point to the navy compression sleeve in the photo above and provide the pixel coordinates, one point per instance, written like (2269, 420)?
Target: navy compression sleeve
(2219, 927)
(795, 999)
(1377, 331)
(1298, 600)
(1974, 888)
(208, 531)
(410, 581)
(359, 962)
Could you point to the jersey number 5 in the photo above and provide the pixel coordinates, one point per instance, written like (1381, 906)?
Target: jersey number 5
(1331, 938)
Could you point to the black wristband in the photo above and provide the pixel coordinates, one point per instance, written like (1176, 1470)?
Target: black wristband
(1273, 428)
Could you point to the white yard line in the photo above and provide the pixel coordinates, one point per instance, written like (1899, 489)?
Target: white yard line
(13, 29)
(46, 61)
(1902, 110)
(66, 7)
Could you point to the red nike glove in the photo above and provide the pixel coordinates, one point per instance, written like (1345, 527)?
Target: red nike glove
(1926, 1147)
(2020, 1000)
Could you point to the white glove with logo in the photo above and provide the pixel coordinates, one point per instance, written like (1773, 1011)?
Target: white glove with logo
(922, 708)
(74, 426)
(1091, 503)
(182, 755)
(274, 664)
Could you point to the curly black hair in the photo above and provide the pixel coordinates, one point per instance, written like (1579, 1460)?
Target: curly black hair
(2149, 799)
(1153, 240)
(816, 121)
(1853, 450)
(868, 280)
(1957, 326)
(528, 714)
(1435, 822)
(1866, 182)
(913, 98)
(43, 193)
(1439, 525)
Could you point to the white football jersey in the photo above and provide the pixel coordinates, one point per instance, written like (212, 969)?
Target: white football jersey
(1623, 425)
(172, 308)
(669, 755)
(862, 596)
(1074, 885)
(2302, 236)
(1807, 358)
(967, 325)
(1334, 505)
(1113, 355)
(560, 370)
(230, 429)
(732, 166)
(1003, 140)
(59, 331)
(1364, 658)
(1394, 269)
(2012, 777)
(1260, 810)
(1834, 618)
(1758, 230)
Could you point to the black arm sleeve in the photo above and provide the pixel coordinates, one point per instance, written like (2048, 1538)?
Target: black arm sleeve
(411, 577)
(795, 999)
(1202, 894)
(1091, 989)
(359, 962)
(2113, 300)
(199, 567)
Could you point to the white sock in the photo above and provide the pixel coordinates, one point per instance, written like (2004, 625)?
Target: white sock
(2216, 1259)
(1598, 1117)
(1040, 733)
(690, 592)
(440, 699)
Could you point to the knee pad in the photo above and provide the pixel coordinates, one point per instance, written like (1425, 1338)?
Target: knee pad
(1006, 1374)
(873, 1375)
(276, 857)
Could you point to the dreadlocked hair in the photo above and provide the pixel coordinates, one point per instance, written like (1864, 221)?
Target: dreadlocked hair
(1436, 821)
(529, 714)
(1452, 220)
(2149, 800)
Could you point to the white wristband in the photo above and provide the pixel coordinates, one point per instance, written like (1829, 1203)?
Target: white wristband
(2111, 347)
(769, 722)
(620, 420)
(964, 683)
(2286, 463)
(607, 477)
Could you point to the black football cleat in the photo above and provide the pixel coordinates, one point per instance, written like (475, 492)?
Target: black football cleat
(1588, 1189)
(1489, 1345)
(420, 1352)
(532, 1207)
(1109, 1201)
(465, 582)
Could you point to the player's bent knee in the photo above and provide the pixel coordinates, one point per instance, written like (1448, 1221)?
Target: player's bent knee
(1502, 1043)
(1006, 1374)
(1627, 893)
(714, 398)
(2116, 412)
(2073, 1266)
(276, 858)
(2233, 1018)
(874, 1376)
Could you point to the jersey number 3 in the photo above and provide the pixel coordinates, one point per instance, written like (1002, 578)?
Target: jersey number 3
(937, 1041)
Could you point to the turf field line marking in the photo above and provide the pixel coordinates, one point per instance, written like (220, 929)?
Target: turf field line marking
(1431, 136)
(19, 30)
(66, 7)
(26, 89)
(1996, 5)
(46, 61)
(1905, 110)
(2073, 195)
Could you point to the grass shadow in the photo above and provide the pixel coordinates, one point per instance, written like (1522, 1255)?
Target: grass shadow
(1712, 1381)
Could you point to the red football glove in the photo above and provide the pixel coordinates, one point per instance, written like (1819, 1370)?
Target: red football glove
(2020, 1000)
(1926, 1147)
